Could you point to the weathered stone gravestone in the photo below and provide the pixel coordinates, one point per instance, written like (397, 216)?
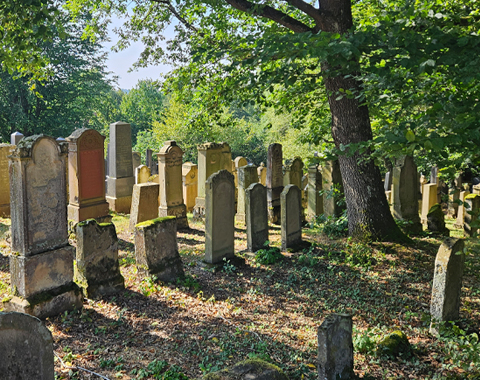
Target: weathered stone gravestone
(447, 283)
(436, 220)
(136, 160)
(219, 217)
(15, 138)
(26, 348)
(120, 178)
(41, 266)
(144, 203)
(461, 209)
(212, 157)
(151, 161)
(315, 200)
(4, 180)
(453, 196)
(429, 199)
(170, 179)
(388, 181)
(256, 214)
(274, 181)
(332, 181)
(434, 174)
(335, 348)
(246, 176)
(262, 174)
(291, 201)
(97, 270)
(405, 193)
(472, 211)
(238, 162)
(142, 174)
(86, 176)
(293, 172)
(156, 249)
(190, 183)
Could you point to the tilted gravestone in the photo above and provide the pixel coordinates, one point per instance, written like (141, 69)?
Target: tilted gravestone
(246, 176)
(97, 270)
(291, 201)
(86, 176)
(120, 179)
(156, 249)
(447, 283)
(170, 180)
(41, 267)
(189, 183)
(144, 203)
(219, 217)
(26, 348)
(4, 180)
(274, 181)
(315, 199)
(256, 216)
(335, 348)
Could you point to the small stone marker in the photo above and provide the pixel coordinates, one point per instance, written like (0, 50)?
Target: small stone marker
(4, 180)
(144, 203)
(246, 176)
(291, 204)
(472, 211)
(274, 181)
(262, 174)
(26, 348)
(170, 179)
(461, 209)
(136, 160)
(219, 217)
(120, 168)
(315, 200)
(405, 193)
(97, 270)
(429, 199)
(142, 174)
(447, 282)
(332, 178)
(335, 348)
(189, 183)
(86, 176)
(156, 249)
(15, 138)
(256, 216)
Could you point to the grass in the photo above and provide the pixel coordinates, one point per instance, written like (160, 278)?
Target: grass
(212, 320)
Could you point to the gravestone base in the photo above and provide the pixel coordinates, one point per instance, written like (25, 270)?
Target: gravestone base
(180, 212)
(95, 211)
(5, 211)
(97, 289)
(121, 204)
(199, 209)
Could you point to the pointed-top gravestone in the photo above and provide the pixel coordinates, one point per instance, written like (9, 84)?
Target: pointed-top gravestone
(15, 138)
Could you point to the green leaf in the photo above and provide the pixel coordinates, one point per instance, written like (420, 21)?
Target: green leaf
(410, 136)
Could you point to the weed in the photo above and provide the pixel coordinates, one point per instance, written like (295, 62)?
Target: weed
(228, 267)
(268, 255)
(189, 282)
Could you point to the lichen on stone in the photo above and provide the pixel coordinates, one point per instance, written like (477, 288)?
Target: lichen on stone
(394, 344)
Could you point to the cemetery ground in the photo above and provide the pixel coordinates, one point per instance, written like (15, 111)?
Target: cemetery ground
(268, 311)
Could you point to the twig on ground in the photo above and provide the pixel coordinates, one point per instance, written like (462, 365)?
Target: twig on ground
(77, 367)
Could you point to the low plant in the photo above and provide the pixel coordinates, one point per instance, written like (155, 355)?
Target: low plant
(268, 255)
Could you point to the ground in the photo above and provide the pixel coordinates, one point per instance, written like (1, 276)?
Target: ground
(213, 320)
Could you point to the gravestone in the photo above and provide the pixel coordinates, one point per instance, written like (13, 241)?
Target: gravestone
(15, 138)
(41, 265)
(436, 220)
(274, 181)
(97, 270)
(256, 215)
(246, 176)
(472, 211)
(461, 209)
(447, 283)
(388, 181)
(136, 160)
(238, 162)
(156, 249)
(26, 348)
(144, 203)
(291, 205)
(293, 172)
(151, 161)
(212, 157)
(405, 193)
(170, 179)
(120, 177)
(262, 174)
(335, 348)
(142, 174)
(219, 217)
(86, 176)
(332, 179)
(190, 183)
(4, 180)
(453, 196)
(429, 198)
(434, 174)
(315, 200)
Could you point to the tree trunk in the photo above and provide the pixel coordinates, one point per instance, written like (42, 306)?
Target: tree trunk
(369, 215)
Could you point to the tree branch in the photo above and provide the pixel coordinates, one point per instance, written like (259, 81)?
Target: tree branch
(272, 14)
(172, 9)
(306, 8)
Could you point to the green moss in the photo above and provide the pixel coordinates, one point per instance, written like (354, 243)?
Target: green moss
(154, 221)
(471, 196)
(394, 345)
(435, 208)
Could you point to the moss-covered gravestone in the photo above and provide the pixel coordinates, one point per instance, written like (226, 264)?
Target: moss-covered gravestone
(97, 270)
(436, 220)
(156, 249)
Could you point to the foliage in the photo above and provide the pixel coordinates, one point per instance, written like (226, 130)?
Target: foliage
(268, 255)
